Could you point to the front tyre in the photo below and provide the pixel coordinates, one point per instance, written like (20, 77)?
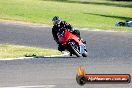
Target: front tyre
(74, 49)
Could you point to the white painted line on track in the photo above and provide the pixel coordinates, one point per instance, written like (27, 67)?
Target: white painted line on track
(99, 30)
(20, 58)
(4, 59)
(37, 86)
(64, 54)
(21, 23)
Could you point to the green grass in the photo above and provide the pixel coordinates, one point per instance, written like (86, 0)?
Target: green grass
(101, 14)
(14, 51)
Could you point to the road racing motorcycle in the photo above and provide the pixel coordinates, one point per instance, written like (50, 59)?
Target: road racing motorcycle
(72, 43)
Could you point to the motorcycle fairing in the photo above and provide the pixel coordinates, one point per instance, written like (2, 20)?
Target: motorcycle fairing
(66, 36)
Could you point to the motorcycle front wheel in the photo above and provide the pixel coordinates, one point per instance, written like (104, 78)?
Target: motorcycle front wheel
(74, 49)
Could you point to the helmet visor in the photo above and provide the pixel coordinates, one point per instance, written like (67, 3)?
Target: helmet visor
(56, 22)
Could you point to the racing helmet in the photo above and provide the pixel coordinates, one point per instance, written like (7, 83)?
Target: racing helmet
(56, 20)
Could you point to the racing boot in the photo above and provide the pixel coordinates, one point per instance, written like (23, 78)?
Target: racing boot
(70, 54)
(61, 48)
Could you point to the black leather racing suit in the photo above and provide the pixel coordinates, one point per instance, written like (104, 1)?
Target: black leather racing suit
(63, 24)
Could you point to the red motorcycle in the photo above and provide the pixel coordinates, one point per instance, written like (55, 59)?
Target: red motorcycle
(72, 43)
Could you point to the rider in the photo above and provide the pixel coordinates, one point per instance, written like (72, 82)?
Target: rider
(58, 24)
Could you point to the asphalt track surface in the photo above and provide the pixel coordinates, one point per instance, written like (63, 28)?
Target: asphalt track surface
(109, 52)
